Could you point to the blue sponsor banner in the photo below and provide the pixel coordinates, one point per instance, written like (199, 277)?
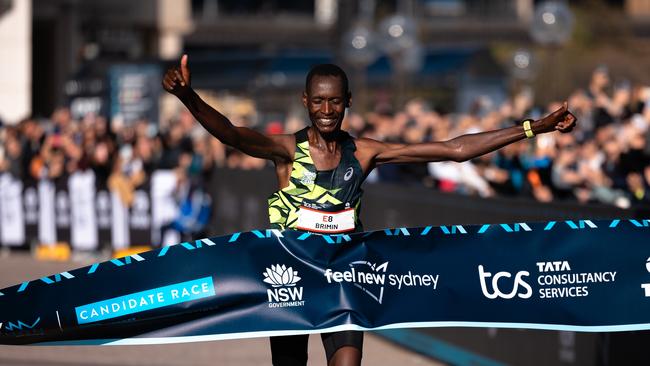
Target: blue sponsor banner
(159, 297)
(580, 275)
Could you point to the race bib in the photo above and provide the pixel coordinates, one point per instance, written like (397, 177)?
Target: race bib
(325, 222)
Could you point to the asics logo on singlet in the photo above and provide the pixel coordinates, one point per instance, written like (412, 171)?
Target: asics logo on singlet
(496, 290)
(348, 174)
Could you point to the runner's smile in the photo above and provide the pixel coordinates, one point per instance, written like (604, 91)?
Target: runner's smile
(327, 121)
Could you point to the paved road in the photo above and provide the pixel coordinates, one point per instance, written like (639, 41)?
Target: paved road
(19, 267)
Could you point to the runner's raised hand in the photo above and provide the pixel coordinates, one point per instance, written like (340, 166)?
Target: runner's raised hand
(177, 79)
(560, 120)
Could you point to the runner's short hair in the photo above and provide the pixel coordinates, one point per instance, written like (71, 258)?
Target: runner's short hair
(328, 70)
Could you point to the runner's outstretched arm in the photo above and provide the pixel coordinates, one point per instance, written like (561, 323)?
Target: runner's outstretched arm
(177, 82)
(465, 147)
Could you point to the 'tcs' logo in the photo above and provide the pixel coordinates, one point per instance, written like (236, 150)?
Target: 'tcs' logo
(483, 276)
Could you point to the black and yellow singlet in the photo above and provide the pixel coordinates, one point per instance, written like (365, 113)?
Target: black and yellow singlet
(329, 190)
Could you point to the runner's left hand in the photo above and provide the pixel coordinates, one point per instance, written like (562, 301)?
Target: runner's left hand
(561, 120)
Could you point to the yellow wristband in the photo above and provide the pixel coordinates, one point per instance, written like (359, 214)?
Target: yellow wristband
(527, 129)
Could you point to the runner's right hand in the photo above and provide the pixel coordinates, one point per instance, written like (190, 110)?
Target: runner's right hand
(177, 79)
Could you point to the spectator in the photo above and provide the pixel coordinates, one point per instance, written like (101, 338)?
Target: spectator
(11, 161)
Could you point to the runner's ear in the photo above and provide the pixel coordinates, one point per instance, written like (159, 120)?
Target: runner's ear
(348, 101)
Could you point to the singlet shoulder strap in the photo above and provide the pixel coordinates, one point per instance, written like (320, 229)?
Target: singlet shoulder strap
(347, 142)
(301, 136)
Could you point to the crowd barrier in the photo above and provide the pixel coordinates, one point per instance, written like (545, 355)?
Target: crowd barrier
(81, 211)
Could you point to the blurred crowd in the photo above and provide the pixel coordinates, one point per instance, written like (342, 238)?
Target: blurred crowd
(606, 159)
(121, 155)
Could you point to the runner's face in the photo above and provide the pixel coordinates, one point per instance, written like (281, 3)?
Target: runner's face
(326, 101)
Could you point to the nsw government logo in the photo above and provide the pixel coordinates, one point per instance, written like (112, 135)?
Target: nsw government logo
(283, 292)
(497, 290)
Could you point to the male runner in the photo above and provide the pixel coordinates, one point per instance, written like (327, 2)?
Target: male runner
(320, 170)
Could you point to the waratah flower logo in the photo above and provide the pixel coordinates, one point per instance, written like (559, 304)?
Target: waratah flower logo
(279, 275)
